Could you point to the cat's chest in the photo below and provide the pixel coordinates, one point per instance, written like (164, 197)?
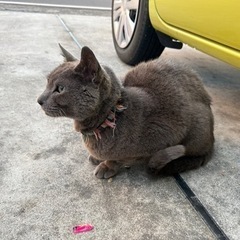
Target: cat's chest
(110, 145)
(101, 146)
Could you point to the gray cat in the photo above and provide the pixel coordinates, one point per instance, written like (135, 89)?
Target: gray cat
(160, 115)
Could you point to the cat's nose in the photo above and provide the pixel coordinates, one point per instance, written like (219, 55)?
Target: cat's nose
(40, 101)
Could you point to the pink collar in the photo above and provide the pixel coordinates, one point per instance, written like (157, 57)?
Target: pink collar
(110, 121)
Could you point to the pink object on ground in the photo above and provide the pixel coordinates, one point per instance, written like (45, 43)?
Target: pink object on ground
(82, 228)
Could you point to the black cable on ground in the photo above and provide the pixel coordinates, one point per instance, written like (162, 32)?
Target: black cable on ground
(193, 199)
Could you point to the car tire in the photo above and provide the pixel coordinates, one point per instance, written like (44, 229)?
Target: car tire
(142, 43)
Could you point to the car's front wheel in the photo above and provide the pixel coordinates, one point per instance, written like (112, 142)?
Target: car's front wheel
(134, 38)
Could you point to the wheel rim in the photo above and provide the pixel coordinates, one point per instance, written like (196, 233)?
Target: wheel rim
(124, 16)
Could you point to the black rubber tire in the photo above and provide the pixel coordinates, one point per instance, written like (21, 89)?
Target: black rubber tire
(144, 44)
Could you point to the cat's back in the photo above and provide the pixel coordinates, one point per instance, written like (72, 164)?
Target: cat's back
(168, 79)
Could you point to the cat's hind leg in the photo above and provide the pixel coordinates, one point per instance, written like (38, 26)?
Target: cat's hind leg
(163, 157)
(93, 160)
(107, 169)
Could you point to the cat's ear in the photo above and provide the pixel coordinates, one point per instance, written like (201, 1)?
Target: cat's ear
(67, 55)
(89, 64)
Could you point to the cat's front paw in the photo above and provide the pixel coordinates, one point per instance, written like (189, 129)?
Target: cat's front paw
(104, 171)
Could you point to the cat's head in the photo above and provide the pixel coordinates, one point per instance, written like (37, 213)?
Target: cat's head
(76, 88)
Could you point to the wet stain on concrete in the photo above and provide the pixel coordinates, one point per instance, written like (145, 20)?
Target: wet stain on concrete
(28, 205)
(83, 191)
(49, 152)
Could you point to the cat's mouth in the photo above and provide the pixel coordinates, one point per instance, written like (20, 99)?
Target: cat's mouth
(54, 112)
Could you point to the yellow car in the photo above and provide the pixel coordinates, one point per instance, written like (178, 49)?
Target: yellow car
(143, 28)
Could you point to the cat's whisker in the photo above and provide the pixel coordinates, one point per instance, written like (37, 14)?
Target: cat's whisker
(42, 75)
(55, 112)
(63, 113)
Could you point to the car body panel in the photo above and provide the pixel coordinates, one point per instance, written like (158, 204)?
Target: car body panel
(211, 28)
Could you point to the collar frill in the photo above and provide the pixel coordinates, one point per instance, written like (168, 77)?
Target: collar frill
(110, 121)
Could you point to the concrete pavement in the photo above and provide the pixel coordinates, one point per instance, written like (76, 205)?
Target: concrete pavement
(71, 3)
(46, 183)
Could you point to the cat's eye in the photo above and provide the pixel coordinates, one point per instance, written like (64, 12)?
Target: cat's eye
(59, 88)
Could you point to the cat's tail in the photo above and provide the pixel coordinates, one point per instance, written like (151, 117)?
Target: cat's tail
(185, 163)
